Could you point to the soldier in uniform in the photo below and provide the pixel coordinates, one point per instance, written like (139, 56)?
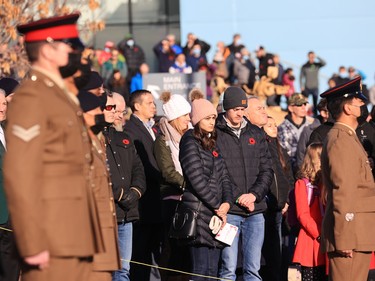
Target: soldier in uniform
(348, 230)
(47, 164)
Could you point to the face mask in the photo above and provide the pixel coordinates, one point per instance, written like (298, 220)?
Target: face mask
(130, 43)
(245, 57)
(197, 52)
(364, 114)
(238, 42)
(72, 66)
(100, 124)
(343, 74)
(107, 50)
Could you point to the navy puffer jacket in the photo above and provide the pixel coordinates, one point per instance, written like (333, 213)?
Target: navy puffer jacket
(207, 181)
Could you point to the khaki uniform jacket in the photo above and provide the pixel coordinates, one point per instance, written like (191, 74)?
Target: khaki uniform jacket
(349, 218)
(46, 172)
(110, 259)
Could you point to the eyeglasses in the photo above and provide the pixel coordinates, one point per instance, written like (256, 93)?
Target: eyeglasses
(109, 107)
(123, 112)
(299, 105)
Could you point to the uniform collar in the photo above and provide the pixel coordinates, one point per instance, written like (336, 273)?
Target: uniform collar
(347, 126)
(55, 78)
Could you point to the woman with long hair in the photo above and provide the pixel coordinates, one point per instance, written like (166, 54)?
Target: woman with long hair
(174, 123)
(277, 205)
(309, 207)
(208, 188)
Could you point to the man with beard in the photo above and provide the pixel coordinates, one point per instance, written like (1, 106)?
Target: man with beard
(128, 181)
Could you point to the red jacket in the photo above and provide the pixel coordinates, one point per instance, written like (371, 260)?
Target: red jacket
(310, 217)
(288, 82)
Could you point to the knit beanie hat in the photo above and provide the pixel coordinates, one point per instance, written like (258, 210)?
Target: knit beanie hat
(88, 101)
(200, 107)
(8, 85)
(234, 97)
(174, 105)
(95, 81)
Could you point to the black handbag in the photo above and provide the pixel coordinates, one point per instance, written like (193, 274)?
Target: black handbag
(184, 223)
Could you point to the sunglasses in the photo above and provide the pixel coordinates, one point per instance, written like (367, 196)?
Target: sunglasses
(299, 105)
(110, 107)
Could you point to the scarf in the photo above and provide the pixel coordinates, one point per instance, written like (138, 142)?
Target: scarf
(172, 139)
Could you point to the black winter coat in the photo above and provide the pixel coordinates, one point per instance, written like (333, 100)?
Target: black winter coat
(320, 133)
(283, 180)
(134, 57)
(149, 204)
(248, 161)
(207, 181)
(126, 171)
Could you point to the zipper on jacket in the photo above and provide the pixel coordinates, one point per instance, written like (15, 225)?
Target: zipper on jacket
(277, 188)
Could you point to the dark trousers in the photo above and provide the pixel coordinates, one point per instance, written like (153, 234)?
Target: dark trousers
(147, 240)
(9, 262)
(205, 261)
(174, 254)
(272, 246)
(314, 92)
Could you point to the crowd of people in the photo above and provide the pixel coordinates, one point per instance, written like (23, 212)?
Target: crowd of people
(91, 192)
(261, 73)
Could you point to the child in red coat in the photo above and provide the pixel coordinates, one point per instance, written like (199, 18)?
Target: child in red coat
(309, 209)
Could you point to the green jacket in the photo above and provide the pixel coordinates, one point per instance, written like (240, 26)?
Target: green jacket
(173, 182)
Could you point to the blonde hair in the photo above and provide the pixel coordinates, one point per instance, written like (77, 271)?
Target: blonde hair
(310, 168)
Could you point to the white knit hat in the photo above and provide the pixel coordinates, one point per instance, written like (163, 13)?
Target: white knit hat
(175, 107)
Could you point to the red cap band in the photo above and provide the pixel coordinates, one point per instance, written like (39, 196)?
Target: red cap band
(56, 33)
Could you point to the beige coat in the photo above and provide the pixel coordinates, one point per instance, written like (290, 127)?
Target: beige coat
(46, 172)
(350, 212)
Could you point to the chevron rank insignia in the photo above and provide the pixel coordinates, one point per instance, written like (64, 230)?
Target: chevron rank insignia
(26, 134)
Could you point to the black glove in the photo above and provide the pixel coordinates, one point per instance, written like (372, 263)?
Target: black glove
(129, 200)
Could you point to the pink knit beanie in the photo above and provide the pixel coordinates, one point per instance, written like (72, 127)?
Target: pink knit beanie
(200, 107)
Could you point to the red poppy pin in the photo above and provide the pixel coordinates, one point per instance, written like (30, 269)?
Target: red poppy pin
(125, 141)
(252, 141)
(215, 154)
(155, 131)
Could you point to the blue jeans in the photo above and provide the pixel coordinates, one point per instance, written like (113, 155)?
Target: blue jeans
(251, 230)
(204, 261)
(125, 241)
(315, 95)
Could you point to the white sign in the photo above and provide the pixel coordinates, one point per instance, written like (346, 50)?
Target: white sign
(177, 83)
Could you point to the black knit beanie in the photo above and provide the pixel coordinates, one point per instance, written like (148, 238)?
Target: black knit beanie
(88, 101)
(234, 97)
